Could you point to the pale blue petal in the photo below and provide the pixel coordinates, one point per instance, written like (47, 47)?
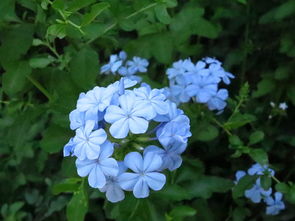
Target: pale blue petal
(141, 189)
(109, 166)
(120, 128)
(127, 181)
(138, 125)
(155, 181)
(115, 194)
(134, 162)
(84, 167)
(113, 114)
(151, 162)
(96, 178)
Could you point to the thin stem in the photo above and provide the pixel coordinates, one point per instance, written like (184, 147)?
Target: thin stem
(141, 10)
(220, 125)
(127, 17)
(40, 87)
(134, 210)
(275, 179)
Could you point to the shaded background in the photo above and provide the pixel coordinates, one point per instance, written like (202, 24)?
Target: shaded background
(50, 51)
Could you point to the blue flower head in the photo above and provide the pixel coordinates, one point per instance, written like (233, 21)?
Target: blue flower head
(274, 205)
(126, 68)
(199, 82)
(111, 125)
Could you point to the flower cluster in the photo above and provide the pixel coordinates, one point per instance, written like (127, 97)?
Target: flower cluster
(199, 82)
(126, 137)
(125, 68)
(257, 193)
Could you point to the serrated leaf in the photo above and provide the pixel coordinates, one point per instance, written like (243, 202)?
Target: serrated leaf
(256, 137)
(96, 10)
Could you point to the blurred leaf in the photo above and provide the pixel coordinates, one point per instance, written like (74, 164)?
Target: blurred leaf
(11, 49)
(78, 205)
(205, 186)
(205, 132)
(264, 87)
(41, 61)
(15, 78)
(173, 192)
(96, 9)
(239, 120)
(68, 185)
(76, 5)
(162, 14)
(180, 212)
(84, 68)
(259, 155)
(235, 140)
(244, 183)
(265, 182)
(57, 30)
(54, 139)
(256, 137)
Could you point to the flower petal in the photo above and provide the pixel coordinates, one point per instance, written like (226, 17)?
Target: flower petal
(151, 162)
(96, 177)
(128, 180)
(155, 181)
(134, 161)
(141, 189)
(138, 125)
(120, 128)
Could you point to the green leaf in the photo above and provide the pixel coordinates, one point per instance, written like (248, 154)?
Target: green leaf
(78, 205)
(14, 79)
(84, 68)
(235, 140)
(15, 43)
(57, 30)
(264, 87)
(256, 137)
(180, 212)
(68, 185)
(205, 186)
(78, 4)
(41, 61)
(265, 182)
(239, 120)
(162, 14)
(259, 155)
(7, 11)
(282, 187)
(96, 9)
(54, 139)
(205, 132)
(173, 192)
(244, 183)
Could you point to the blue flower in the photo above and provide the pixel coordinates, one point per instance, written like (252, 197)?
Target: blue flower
(130, 115)
(128, 73)
(173, 113)
(274, 205)
(203, 88)
(258, 169)
(137, 64)
(114, 64)
(177, 130)
(217, 101)
(144, 176)
(69, 148)
(87, 142)
(114, 192)
(99, 168)
(95, 101)
(153, 99)
(256, 193)
(170, 155)
(239, 175)
(77, 119)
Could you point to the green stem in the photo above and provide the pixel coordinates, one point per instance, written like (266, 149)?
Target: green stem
(220, 125)
(275, 179)
(127, 17)
(40, 87)
(134, 210)
(141, 10)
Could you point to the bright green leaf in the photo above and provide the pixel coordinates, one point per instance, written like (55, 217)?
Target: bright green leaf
(96, 9)
(162, 14)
